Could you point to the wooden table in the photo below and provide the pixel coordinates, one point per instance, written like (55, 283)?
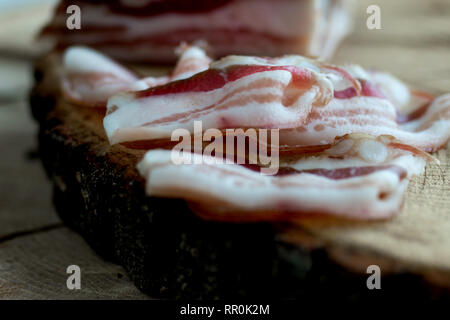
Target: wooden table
(35, 248)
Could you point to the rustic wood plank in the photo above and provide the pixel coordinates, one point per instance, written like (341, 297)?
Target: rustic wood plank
(34, 267)
(24, 189)
(15, 79)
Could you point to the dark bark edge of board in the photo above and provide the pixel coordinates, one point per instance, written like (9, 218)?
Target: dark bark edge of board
(168, 251)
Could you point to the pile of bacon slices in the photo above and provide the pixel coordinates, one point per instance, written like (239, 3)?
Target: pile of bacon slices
(350, 138)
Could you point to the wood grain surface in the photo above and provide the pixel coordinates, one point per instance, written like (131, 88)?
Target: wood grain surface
(35, 248)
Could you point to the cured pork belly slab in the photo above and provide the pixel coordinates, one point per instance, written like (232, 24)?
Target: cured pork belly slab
(149, 31)
(350, 138)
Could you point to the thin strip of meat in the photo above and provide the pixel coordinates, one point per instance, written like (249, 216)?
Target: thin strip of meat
(367, 182)
(90, 78)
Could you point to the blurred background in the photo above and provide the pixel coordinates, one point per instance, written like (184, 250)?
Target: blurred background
(413, 44)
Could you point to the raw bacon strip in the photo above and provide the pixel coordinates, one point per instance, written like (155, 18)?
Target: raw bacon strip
(428, 132)
(90, 78)
(281, 92)
(368, 182)
(310, 102)
(236, 97)
(192, 61)
(149, 31)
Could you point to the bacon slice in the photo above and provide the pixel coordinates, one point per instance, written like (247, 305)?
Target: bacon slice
(312, 103)
(149, 31)
(280, 96)
(368, 182)
(90, 78)
(281, 92)
(429, 132)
